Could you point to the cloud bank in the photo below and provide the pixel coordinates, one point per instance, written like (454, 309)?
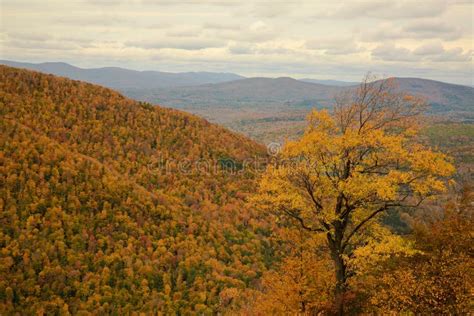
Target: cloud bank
(323, 39)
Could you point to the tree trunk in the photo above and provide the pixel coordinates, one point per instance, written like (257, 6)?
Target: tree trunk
(340, 273)
(340, 289)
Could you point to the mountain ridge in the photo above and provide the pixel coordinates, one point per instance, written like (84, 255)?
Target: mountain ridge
(226, 76)
(121, 78)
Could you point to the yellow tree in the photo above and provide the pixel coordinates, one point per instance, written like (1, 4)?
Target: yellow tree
(350, 167)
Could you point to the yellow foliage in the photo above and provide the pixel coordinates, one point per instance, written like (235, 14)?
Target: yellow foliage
(350, 167)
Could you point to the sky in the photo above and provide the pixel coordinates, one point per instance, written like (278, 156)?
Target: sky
(334, 39)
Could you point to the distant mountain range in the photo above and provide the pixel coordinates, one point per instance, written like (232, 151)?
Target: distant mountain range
(244, 92)
(229, 99)
(120, 78)
(288, 92)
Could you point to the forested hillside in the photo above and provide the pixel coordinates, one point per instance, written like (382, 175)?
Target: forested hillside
(103, 210)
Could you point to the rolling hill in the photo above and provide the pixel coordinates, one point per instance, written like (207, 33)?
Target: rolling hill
(113, 206)
(443, 97)
(272, 109)
(252, 92)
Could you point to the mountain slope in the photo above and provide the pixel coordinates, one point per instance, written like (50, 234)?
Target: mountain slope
(103, 209)
(119, 78)
(253, 92)
(443, 97)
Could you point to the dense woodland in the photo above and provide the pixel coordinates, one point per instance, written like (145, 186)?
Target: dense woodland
(90, 221)
(103, 210)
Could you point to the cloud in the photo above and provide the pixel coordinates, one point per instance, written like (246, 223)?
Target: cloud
(33, 37)
(265, 49)
(184, 44)
(93, 20)
(415, 30)
(430, 52)
(390, 52)
(436, 52)
(255, 32)
(429, 49)
(396, 37)
(223, 3)
(453, 55)
(275, 9)
(106, 2)
(184, 33)
(221, 26)
(334, 46)
(237, 49)
(401, 9)
(47, 45)
(431, 29)
(38, 41)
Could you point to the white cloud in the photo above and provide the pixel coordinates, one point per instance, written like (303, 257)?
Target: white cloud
(431, 29)
(275, 9)
(436, 52)
(178, 43)
(221, 26)
(241, 49)
(254, 32)
(390, 52)
(334, 46)
(413, 30)
(429, 49)
(430, 52)
(382, 9)
(190, 32)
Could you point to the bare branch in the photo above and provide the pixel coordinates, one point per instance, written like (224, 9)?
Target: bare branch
(362, 223)
(301, 221)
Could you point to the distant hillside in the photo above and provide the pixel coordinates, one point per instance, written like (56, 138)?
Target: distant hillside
(256, 106)
(119, 78)
(105, 211)
(443, 97)
(252, 92)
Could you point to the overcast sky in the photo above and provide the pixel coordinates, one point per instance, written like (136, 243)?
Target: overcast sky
(319, 39)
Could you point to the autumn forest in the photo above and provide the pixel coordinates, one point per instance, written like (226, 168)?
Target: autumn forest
(114, 206)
